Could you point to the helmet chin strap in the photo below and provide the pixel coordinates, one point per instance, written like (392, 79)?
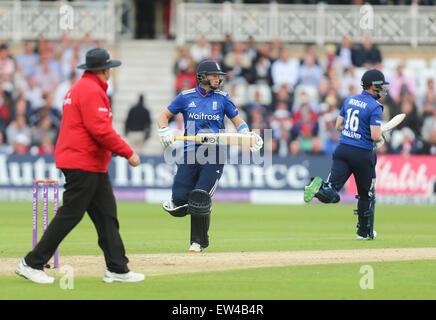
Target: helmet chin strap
(207, 83)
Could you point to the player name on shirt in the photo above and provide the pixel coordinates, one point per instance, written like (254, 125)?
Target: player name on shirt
(357, 103)
(351, 134)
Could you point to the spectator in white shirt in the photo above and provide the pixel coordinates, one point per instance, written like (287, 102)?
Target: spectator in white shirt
(201, 50)
(284, 71)
(33, 93)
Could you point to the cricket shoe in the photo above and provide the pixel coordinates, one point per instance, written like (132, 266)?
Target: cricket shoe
(130, 276)
(312, 189)
(195, 247)
(366, 237)
(34, 275)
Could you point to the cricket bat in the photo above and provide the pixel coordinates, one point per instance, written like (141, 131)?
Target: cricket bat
(225, 139)
(395, 121)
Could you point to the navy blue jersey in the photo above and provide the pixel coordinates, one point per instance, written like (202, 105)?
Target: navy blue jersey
(360, 112)
(203, 111)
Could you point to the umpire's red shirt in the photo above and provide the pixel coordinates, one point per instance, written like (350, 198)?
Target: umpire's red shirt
(86, 139)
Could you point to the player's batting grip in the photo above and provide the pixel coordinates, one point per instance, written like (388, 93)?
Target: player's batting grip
(235, 139)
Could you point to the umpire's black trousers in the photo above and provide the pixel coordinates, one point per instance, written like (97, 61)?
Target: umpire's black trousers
(91, 192)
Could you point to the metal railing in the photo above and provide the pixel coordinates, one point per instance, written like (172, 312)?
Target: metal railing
(318, 24)
(29, 20)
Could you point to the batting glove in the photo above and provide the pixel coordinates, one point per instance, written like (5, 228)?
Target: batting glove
(379, 143)
(166, 136)
(258, 142)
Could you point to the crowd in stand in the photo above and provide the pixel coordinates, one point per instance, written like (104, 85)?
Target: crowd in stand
(299, 97)
(33, 85)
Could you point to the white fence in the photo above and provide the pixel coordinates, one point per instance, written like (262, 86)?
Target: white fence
(306, 23)
(28, 20)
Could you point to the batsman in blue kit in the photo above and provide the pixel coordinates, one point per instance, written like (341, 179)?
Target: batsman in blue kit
(359, 122)
(203, 109)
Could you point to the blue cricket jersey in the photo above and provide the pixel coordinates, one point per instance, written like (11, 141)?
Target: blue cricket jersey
(203, 112)
(360, 112)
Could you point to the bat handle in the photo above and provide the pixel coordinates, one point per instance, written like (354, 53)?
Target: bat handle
(184, 138)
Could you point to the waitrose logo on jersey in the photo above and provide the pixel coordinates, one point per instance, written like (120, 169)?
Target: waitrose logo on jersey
(203, 116)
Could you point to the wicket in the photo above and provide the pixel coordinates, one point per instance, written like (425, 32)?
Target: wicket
(45, 184)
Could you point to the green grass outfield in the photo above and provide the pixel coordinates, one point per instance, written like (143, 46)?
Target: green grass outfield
(147, 229)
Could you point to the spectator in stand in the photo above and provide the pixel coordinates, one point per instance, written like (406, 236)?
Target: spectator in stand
(64, 44)
(21, 109)
(411, 120)
(346, 52)
(47, 109)
(237, 63)
(137, 126)
(261, 70)
(47, 78)
(328, 112)
(70, 59)
(332, 139)
(33, 93)
(18, 135)
(265, 50)
(257, 121)
(49, 54)
(251, 49)
(255, 106)
(294, 148)
(281, 118)
(284, 71)
(200, 50)
(186, 78)
(4, 147)
(310, 51)
(428, 133)
(283, 142)
(331, 60)
(348, 79)
(399, 83)
(28, 60)
(5, 106)
(427, 111)
(62, 90)
(227, 44)
(368, 56)
(183, 59)
(305, 114)
(282, 95)
(45, 130)
(329, 82)
(309, 73)
(304, 101)
(216, 53)
(7, 68)
(403, 142)
(238, 74)
(40, 45)
(86, 45)
(308, 143)
(276, 49)
(429, 96)
(47, 147)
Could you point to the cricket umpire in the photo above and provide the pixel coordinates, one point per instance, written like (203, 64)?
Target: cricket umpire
(359, 122)
(84, 149)
(203, 109)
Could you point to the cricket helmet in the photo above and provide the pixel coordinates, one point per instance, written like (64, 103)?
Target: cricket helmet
(376, 78)
(206, 68)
